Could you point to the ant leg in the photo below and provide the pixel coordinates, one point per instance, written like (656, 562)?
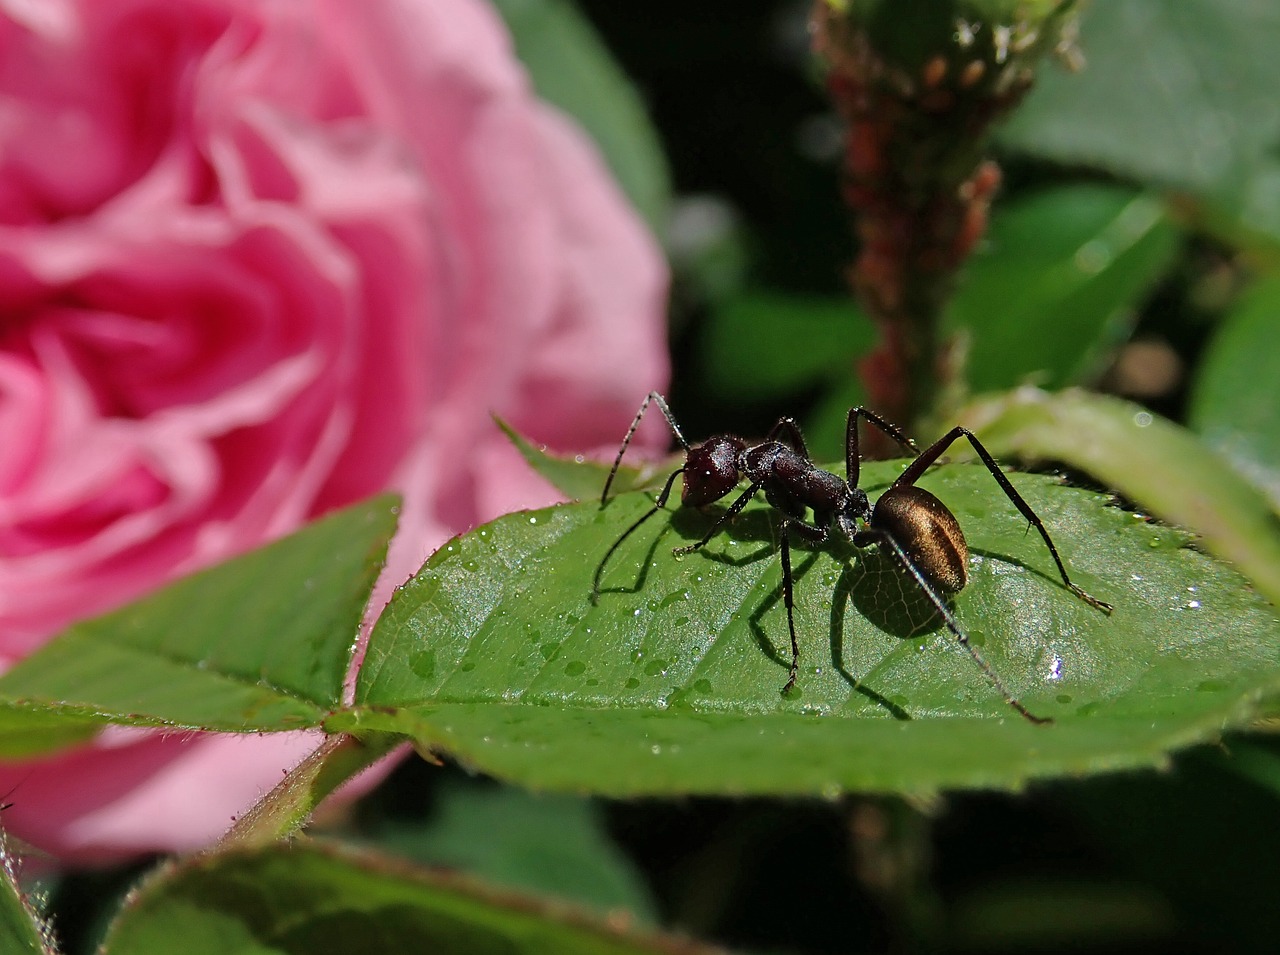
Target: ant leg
(788, 599)
(814, 534)
(876, 536)
(788, 432)
(852, 459)
(659, 504)
(661, 402)
(935, 450)
(734, 510)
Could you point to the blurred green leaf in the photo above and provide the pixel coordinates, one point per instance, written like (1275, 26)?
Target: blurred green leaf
(1235, 403)
(309, 899)
(761, 345)
(29, 731)
(1151, 461)
(1019, 915)
(22, 930)
(1256, 760)
(257, 644)
(1202, 836)
(825, 424)
(670, 682)
(1057, 283)
(1245, 213)
(542, 843)
(571, 67)
(1176, 92)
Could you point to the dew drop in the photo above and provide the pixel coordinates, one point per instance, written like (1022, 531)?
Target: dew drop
(1055, 668)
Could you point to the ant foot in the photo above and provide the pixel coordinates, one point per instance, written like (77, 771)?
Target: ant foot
(1091, 600)
(1031, 717)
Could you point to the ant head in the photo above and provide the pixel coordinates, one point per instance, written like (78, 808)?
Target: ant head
(711, 470)
(854, 507)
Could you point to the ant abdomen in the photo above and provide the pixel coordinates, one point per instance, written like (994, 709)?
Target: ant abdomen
(929, 533)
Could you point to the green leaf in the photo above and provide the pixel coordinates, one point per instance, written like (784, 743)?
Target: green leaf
(257, 644)
(571, 67)
(1237, 392)
(311, 899)
(546, 844)
(670, 682)
(1176, 92)
(576, 478)
(1057, 284)
(22, 930)
(1151, 461)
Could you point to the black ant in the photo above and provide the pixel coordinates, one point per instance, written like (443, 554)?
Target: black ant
(907, 521)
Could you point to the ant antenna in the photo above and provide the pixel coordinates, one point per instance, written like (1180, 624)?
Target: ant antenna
(661, 402)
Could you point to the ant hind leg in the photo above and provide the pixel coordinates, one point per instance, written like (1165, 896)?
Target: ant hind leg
(886, 540)
(935, 451)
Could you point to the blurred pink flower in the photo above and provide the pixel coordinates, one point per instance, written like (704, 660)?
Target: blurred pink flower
(260, 259)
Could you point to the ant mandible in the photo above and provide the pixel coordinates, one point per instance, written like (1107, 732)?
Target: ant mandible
(906, 521)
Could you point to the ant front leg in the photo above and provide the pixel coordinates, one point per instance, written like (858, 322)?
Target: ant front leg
(654, 398)
(658, 505)
(852, 457)
(734, 510)
(935, 450)
(872, 535)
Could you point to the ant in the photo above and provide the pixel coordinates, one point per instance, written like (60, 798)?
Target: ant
(907, 521)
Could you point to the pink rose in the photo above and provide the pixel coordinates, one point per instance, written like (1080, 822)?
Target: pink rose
(260, 259)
